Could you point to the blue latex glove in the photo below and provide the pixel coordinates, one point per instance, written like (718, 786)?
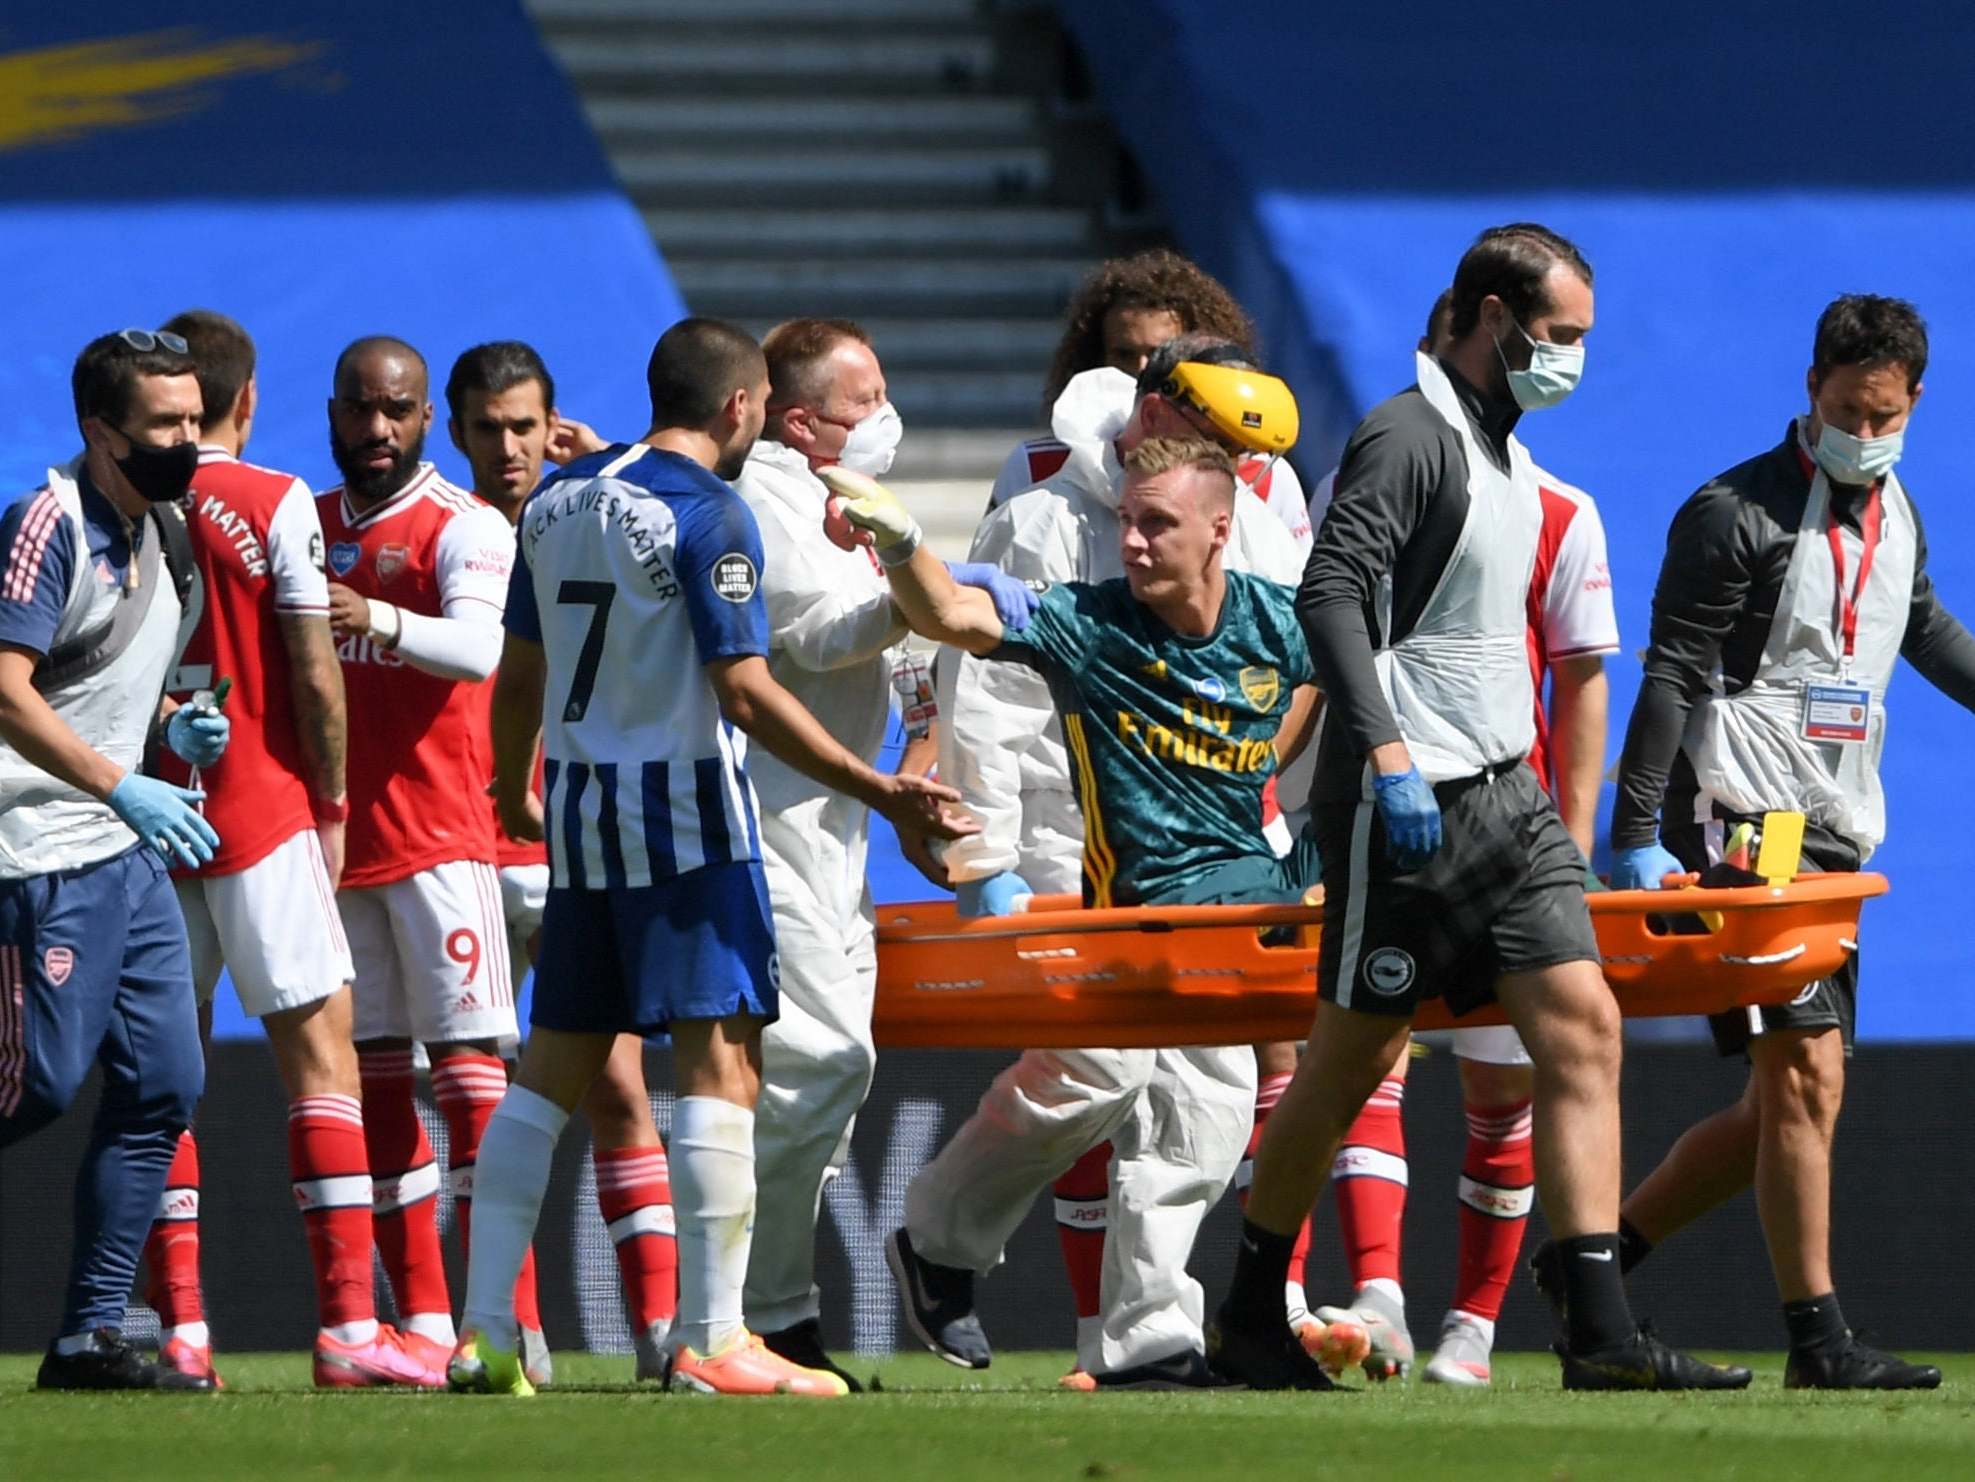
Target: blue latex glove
(1412, 818)
(1643, 868)
(162, 817)
(198, 736)
(994, 896)
(1013, 599)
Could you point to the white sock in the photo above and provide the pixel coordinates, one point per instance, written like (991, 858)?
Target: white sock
(1295, 1301)
(435, 1327)
(73, 1343)
(509, 1179)
(353, 1332)
(1385, 1286)
(1484, 1326)
(712, 1156)
(195, 1333)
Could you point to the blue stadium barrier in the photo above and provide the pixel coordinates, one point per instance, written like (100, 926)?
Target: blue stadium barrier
(1333, 169)
(319, 171)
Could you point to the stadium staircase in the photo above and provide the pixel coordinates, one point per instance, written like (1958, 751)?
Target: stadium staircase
(919, 165)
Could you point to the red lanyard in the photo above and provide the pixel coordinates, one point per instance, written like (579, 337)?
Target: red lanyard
(1868, 528)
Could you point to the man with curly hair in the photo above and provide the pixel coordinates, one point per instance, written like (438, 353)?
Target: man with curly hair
(1124, 310)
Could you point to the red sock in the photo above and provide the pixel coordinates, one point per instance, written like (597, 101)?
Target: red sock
(468, 1088)
(634, 1192)
(1083, 1213)
(1498, 1178)
(171, 1251)
(404, 1182)
(331, 1171)
(1299, 1256)
(1268, 1091)
(1370, 1178)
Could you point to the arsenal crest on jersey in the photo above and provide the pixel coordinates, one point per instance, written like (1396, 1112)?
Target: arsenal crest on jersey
(57, 963)
(1261, 684)
(392, 559)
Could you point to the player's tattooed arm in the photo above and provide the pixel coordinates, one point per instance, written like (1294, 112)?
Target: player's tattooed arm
(322, 721)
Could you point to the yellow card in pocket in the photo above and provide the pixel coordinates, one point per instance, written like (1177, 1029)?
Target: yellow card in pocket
(1782, 847)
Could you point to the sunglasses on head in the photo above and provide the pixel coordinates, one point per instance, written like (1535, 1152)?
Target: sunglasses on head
(144, 341)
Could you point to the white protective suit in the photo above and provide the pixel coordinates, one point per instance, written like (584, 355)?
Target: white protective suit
(832, 626)
(1178, 1119)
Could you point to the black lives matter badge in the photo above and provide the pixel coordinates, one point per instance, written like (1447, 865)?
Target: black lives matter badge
(734, 577)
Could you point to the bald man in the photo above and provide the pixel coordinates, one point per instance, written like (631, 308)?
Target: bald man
(418, 573)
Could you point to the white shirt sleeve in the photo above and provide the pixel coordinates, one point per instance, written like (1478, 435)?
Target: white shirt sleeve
(474, 557)
(294, 554)
(1578, 614)
(820, 614)
(1282, 491)
(474, 560)
(993, 713)
(1258, 545)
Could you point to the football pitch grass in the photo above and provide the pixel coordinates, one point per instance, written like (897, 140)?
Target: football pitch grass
(931, 1420)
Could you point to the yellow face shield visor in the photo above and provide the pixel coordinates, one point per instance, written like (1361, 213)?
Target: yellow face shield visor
(1253, 411)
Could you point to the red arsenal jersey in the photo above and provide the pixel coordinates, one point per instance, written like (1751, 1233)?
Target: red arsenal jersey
(1570, 598)
(418, 742)
(511, 851)
(259, 550)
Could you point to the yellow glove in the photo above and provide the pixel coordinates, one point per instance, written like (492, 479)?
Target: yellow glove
(868, 506)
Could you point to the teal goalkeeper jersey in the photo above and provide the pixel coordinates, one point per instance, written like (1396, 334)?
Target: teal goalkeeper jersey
(1171, 739)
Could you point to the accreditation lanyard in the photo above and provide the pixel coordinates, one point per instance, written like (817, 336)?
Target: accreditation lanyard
(1848, 603)
(1870, 522)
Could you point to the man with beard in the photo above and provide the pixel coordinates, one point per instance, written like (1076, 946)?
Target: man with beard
(1447, 870)
(418, 579)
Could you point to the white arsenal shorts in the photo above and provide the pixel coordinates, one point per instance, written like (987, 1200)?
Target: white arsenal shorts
(432, 956)
(273, 926)
(1491, 1044)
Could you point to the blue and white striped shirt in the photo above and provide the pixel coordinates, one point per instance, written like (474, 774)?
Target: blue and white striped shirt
(636, 568)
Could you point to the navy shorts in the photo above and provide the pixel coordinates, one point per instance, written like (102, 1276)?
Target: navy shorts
(94, 970)
(635, 958)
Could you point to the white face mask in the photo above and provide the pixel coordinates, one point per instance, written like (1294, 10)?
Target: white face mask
(873, 442)
(1849, 459)
(1553, 373)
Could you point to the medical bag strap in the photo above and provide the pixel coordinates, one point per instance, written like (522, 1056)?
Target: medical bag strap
(175, 538)
(88, 653)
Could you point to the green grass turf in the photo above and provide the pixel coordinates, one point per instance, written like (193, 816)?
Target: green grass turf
(935, 1421)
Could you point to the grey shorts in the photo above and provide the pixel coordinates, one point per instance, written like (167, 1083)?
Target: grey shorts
(1503, 894)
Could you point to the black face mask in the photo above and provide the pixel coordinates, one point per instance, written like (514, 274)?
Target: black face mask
(159, 474)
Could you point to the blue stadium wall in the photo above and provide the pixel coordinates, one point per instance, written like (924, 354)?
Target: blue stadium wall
(318, 171)
(1727, 169)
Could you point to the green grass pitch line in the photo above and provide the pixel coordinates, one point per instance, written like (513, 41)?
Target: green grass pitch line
(934, 1421)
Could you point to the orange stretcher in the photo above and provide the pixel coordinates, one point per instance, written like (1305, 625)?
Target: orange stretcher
(1057, 976)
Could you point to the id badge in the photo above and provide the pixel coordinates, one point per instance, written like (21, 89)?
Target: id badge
(1837, 712)
(912, 681)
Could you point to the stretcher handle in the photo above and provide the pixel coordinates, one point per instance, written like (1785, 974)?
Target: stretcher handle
(1053, 914)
